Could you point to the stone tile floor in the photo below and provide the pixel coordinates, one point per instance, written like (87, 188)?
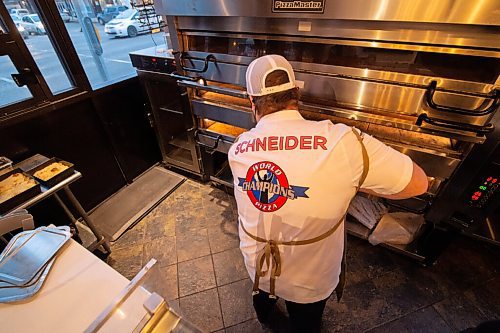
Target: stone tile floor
(193, 235)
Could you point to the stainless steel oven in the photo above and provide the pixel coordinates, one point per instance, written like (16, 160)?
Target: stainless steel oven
(421, 76)
(170, 114)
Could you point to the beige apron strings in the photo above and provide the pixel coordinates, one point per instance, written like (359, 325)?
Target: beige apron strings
(271, 256)
(339, 290)
(271, 253)
(366, 160)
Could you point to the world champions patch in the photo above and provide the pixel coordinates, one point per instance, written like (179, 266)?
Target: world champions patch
(267, 187)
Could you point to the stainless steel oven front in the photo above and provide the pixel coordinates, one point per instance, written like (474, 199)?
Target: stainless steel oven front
(422, 77)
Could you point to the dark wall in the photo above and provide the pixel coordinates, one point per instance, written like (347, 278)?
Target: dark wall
(106, 136)
(123, 110)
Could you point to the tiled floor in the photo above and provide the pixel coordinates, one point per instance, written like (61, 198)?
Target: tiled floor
(193, 235)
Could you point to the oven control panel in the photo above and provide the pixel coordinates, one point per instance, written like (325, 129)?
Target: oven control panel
(487, 189)
(152, 63)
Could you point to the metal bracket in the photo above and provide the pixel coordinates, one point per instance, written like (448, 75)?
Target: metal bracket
(25, 77)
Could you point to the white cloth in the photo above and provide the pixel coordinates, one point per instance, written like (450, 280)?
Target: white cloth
(314, 167)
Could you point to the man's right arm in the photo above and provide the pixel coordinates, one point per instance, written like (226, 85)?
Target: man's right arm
(418, 185)
(391, 174)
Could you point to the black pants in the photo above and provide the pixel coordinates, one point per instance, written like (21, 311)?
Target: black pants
(303, 317)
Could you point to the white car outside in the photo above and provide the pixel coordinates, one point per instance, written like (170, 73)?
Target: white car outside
(19, 24)
(128, 23)
(33, 24)
(19, 12)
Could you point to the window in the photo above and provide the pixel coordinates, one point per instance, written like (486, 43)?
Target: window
(104, 36)
(48, 62)
(10, 93)
(31, 71)
(39, 44)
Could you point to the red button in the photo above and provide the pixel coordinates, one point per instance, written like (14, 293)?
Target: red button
(494, 180)
(477, 194)
(489, 178)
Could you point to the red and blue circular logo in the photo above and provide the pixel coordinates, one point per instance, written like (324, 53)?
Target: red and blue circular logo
(267, 186)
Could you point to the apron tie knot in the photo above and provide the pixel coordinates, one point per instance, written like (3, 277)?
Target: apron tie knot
(270, 257)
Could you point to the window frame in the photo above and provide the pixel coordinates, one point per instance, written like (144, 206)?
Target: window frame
(43, 99)
(21, 57)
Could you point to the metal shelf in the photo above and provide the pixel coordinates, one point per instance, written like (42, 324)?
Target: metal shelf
(181, 141)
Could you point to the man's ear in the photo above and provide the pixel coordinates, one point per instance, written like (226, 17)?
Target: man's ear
(253, 104)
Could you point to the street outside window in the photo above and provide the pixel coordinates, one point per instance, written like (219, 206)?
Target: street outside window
(10, 93)
(32, 29)
(104, 32)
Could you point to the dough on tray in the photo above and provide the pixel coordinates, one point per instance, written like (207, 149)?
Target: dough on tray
(13, 185)
(50, 171)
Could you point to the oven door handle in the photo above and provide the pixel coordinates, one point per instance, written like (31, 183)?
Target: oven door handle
(429, 99)
(216, 89)
(209, 149)
(177, 76)
(480, 130)
(197, 70)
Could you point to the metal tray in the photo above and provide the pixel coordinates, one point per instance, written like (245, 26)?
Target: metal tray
(21, 237)
(10, 293)
(32, 282)
(57, 178)
(28, 252)
(5, 162)
(235, 116)
(21, 197)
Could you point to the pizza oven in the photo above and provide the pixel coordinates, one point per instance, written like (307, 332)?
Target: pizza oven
(422, 77)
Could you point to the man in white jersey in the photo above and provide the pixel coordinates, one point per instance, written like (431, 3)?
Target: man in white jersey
(294, 180)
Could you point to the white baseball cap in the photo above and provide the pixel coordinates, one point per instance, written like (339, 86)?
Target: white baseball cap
(260, 68)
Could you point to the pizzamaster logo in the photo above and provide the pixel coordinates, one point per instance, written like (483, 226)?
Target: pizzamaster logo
(298, 4)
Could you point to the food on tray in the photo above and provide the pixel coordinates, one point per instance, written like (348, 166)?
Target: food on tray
(226, 129)
(225, 99)
(14, 185)
(50, 171)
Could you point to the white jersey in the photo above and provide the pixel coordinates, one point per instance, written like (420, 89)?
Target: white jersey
(293, 180)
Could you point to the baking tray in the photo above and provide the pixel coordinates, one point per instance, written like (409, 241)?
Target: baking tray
(10, 293)
(32, 282)
(28, 252)
(56, 178)
(21, 197)
(21, 237)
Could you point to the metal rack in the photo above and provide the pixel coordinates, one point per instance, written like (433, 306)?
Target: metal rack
(53, 191)
(148, 17)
